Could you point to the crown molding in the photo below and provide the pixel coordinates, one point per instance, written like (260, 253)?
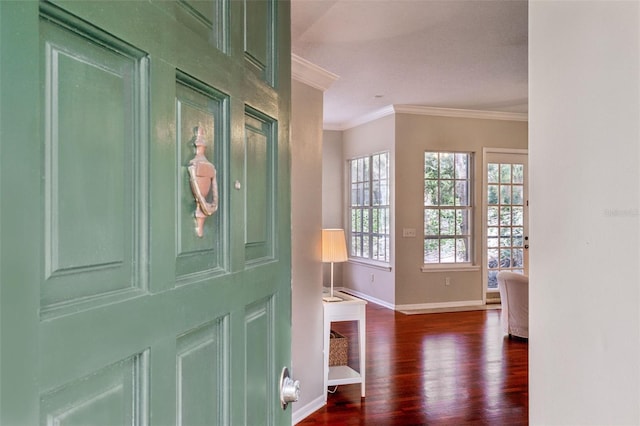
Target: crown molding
(461, 113)
(309, 73)
(432, 111)
(372, 116)
(334, 127)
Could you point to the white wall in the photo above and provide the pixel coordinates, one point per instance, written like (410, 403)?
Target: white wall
(584, 353)
(306, 270)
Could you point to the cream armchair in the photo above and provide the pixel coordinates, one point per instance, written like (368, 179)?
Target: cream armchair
(514, 296)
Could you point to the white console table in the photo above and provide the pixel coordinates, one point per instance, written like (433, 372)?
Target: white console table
(349, 309)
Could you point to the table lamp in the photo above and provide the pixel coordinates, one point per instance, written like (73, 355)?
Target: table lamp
(334, 249)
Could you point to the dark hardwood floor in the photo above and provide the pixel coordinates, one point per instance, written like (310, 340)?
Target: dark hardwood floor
(433, 369)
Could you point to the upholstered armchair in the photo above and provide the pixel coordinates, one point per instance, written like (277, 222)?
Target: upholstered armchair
(514, 296)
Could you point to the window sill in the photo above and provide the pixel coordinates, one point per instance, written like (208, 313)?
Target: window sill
(450, 268)
(370, 263)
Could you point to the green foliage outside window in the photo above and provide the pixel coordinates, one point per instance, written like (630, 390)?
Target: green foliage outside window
(447, 207)
(369, 207)
(505, 219)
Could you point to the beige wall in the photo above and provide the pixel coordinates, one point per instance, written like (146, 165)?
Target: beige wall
(376, 136)
(416, 134)
(407, 137)
(306, 222)
(332, 182)
(332, 179)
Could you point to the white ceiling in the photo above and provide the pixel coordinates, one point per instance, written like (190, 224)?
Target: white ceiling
(463, 54)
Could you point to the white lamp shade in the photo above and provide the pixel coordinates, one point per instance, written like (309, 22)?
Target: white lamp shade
(334, 247)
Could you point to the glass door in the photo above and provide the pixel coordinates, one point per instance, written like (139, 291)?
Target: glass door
(505, 216)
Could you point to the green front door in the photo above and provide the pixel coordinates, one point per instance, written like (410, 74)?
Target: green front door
(113, 309)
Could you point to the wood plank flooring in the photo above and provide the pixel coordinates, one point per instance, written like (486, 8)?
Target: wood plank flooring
(434, 369)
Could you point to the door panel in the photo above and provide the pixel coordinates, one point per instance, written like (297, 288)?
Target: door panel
(259, 39)
(113, 395)
(120, 313)
(91, 88)
(259, 142)
(208, 19)
(202, 371)
(259, 327)
(198, 107)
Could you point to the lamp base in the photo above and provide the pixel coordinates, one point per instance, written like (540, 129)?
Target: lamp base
(332, 299)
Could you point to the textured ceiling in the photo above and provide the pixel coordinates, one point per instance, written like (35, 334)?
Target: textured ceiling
(449, 54)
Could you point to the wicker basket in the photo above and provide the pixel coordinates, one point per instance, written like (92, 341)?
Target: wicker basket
(338, 349)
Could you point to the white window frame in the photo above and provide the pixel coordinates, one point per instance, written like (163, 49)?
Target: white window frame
(367, 182)
(470, 208)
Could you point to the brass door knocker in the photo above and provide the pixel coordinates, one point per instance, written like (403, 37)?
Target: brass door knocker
(202, 177)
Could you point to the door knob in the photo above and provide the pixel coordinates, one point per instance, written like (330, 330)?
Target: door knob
(289, 389)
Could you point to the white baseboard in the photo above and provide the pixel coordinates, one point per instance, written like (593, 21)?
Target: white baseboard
(367, 297)
(456, 304)
(410, 307)
(302, 413)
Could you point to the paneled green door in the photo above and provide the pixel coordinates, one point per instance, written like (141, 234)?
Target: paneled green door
(114, 308)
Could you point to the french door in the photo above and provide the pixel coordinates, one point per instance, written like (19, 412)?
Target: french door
(128, 296)
(505, 215)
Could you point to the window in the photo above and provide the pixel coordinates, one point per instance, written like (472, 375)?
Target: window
(447, 208)
(369, 207)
